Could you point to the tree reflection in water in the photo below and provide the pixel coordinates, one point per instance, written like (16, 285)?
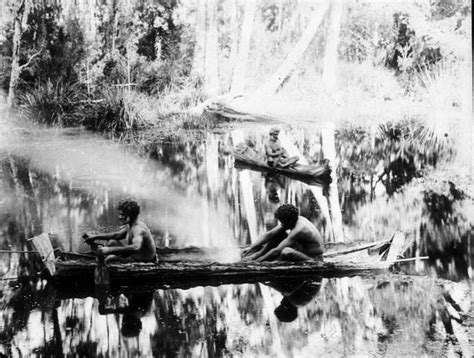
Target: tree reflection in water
(391, 315)
(369, 316)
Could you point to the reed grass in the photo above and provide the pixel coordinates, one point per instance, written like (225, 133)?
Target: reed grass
(52, 103)
(121, 110)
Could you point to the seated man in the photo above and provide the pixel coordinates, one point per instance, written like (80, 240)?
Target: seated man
(302, 242)
(137, 244)
(277, 156)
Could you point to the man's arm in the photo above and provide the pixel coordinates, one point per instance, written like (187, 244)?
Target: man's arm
(287, 242)
(126, 249)
(118, 235)
(263, 239)
(284, 153)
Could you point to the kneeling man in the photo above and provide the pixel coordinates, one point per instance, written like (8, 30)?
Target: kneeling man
(133, 243)
(295, 238)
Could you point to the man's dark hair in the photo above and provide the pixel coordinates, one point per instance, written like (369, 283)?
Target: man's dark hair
(287, 214)
(129, 207)
(286, 312)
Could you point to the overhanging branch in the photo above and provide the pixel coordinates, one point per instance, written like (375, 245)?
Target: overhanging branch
(22, 67)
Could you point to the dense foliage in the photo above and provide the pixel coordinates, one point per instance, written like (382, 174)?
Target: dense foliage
(160, 51)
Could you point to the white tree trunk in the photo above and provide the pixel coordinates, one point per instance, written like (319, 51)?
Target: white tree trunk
(329, 150)
(328, 133)
(240, 69)
(280, 18)
(234, 40)
(19, 24)
(200, 39)
(272, 85)
(330, 54)
(211, 60)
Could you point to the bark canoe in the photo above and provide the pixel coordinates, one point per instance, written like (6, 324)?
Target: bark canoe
(71, 268)
(309, 174)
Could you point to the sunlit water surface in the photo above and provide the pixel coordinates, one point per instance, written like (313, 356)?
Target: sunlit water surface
(69, 182)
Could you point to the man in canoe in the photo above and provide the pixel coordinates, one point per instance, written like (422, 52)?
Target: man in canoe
(133, 243)
(277, 156)
(295, 238)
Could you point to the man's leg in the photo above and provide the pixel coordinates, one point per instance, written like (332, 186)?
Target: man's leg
(113, 243)
(115, 258)
(290, 254)
(288, 162)
(274, 242)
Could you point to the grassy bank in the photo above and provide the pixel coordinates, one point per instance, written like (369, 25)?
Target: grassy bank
(116, 110)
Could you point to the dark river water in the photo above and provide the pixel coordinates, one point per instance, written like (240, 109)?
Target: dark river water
(69, 182)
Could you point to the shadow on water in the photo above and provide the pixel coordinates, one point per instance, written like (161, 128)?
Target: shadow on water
(191, 194)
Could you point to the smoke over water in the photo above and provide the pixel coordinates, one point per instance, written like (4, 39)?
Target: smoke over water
(108, 170)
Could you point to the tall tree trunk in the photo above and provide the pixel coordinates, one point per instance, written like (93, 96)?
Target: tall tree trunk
(115, 13)
(91, 32)
(234, 36)
(211, 60)
(19, 24)
(240, 70)
(280, 18)
(272, 85)
(200, 38)
(328, 133)
(329, 150)
(330, 55)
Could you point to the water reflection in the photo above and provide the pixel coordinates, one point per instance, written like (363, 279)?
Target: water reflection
(191, 194)
(389, 315)
(137, 306)
(296, 293)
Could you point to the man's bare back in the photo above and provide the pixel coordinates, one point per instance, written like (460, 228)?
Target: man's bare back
(140, 235)
(294, 239)
(306, 238)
